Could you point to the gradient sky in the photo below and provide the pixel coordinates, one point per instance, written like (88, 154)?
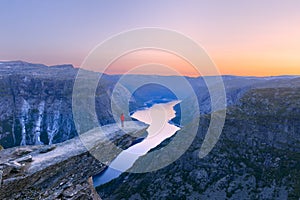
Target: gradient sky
(257, 37)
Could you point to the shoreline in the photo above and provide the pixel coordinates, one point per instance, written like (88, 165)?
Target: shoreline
(162, 131)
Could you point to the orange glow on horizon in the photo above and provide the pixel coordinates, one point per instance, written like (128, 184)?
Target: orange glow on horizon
(244, 64)
(152, 62)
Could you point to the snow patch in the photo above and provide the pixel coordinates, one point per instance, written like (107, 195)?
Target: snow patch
(52, 130)
(38, 123)
(24, 117)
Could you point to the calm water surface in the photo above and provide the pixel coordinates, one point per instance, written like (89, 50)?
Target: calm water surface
(158, 117)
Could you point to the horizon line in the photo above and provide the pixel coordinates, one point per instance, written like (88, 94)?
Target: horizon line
(150, 74)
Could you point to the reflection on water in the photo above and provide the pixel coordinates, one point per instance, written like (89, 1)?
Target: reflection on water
(158, 117)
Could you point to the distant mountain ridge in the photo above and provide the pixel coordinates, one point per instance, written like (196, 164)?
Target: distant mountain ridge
(36, 100)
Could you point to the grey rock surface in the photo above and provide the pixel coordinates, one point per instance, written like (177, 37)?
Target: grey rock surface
(36, 103)
(256, 157)
(62, 172)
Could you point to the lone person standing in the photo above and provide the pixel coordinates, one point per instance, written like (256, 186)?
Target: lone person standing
(122, 117)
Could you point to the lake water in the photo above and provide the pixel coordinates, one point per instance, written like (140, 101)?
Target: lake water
(158, 117)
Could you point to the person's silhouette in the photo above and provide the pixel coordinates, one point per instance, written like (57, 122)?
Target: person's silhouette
(122, 117)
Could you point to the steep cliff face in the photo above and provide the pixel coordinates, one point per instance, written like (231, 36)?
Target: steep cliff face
(61, 171)
(257, 156)
(36, 104)
(36, 100)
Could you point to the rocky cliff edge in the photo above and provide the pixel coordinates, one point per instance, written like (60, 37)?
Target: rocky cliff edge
(64, 170)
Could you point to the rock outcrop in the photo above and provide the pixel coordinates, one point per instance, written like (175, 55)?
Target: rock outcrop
(63, 170)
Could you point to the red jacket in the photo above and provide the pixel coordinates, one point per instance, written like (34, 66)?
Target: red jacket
(122, 118)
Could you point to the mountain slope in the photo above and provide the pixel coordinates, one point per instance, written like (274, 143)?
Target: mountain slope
(257, 156)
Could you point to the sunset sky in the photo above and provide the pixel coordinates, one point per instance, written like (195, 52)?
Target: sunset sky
(258, 37)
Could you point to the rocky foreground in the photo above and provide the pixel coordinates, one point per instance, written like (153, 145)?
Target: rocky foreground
(63, 170)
